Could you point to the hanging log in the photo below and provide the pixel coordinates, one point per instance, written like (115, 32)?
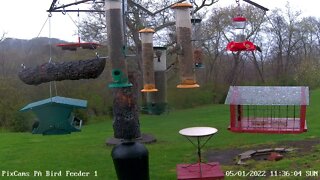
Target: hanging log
(72, 70)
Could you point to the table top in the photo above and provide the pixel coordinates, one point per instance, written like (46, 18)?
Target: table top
(198, 131)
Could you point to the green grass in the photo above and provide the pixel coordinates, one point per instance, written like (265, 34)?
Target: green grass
(86, 151)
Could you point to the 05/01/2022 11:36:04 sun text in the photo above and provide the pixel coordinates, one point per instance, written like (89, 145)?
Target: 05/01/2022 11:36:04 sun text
(273, 173)
(48, 173)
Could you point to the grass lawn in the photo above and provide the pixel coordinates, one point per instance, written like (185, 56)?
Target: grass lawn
(86, 151)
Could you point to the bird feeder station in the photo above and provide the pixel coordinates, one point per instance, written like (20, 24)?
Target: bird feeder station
(184, 45)
(240, 44)
(268, 109)
(55, 115)
(147, 58)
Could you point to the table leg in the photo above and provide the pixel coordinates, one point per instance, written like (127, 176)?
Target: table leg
(199, 156)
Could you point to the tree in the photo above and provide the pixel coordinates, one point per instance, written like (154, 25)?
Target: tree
(285, 35)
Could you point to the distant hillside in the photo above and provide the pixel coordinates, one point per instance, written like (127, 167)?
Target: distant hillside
(22, 45)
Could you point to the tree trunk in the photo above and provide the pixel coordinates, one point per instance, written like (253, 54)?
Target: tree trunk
(125, 114)
(72, 70)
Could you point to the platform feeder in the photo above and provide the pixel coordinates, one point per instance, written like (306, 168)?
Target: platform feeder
(55, 115)
(268, 109)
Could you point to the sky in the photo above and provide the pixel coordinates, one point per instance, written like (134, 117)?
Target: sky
(23, 19)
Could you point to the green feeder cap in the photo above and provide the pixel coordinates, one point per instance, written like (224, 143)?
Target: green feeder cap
(119, 79)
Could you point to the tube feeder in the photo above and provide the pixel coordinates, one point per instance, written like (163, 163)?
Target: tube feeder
(197, 53)
(147, 58)
(115, 45)
(157, 101)
(55, 115)
(185, 56)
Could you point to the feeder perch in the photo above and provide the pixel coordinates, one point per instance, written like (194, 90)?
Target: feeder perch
(268, 109)
(147, 58)
(119, 79)
(55, 115)
(184, 33)
(240, 43)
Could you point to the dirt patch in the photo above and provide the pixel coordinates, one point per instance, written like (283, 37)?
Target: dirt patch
(228, 156)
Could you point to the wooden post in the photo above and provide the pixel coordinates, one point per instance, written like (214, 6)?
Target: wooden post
(232, 117)
(303, 110)
(125, 108)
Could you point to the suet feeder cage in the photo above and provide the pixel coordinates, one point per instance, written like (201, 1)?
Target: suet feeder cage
(184, 42)
(55, 115)
(268, 109)
(147, 58)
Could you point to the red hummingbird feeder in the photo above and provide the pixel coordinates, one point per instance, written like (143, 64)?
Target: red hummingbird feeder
(240, 43)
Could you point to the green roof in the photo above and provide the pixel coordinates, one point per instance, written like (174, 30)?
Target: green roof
(57, 100)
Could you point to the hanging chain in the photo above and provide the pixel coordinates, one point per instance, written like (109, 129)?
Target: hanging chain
(238, 7)
(50, 59)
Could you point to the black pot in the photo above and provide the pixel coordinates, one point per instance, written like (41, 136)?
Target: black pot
(131, 161)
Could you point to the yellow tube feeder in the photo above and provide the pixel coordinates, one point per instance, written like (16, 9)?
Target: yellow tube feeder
(147, 59)
(185, 56)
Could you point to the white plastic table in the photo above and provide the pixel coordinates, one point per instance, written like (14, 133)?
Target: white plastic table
(198, 133)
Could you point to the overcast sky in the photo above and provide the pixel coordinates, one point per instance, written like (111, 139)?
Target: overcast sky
(23, 19)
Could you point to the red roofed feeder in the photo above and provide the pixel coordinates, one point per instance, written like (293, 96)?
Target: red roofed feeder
(76, 45)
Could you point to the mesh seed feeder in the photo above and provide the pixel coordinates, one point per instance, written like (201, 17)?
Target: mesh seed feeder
(146, 35)
(196, 36)
(184, 44)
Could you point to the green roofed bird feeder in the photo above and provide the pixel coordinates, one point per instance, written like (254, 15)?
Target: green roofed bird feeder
(55, 115)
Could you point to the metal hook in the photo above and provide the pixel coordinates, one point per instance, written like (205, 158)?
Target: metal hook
(97, 55)
(63, 11)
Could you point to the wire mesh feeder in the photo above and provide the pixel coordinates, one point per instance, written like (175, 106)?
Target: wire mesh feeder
(268, 109)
